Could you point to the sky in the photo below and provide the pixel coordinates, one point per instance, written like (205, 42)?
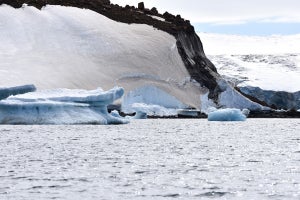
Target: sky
(255, 17)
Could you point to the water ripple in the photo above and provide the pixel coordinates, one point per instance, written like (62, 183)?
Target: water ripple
(152, 159)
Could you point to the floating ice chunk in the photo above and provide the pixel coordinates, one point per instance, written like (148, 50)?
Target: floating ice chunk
(140, 115)
(246, 112)
(9, 91)
(61, 106)
(116, 113)
(153, 110)
(227, 114)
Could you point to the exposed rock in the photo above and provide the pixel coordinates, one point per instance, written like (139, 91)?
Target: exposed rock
(273, 99)
(141, 6)
(154, 11)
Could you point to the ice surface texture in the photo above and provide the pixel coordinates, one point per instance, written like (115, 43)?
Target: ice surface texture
(61, 106)
(228, 114)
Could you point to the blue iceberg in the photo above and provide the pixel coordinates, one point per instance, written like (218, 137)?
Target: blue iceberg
(10, 91)
(228, 114)
(61, 106)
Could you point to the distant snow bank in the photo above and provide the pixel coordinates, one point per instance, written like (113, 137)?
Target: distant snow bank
(269, 62)
(220, 44)
(61, 106)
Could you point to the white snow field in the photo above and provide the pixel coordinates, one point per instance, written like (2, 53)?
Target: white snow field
(66, 47)
(61, 106)
(268, 62)
(220, 44)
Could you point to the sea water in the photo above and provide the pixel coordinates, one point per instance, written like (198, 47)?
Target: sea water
(152, 159)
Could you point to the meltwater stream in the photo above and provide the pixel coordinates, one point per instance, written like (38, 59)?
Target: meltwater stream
(152, 159)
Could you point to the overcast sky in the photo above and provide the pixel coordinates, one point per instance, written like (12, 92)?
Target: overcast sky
(232, 14)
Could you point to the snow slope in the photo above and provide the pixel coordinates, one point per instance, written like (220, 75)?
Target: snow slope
(271, 63)
(66, 47)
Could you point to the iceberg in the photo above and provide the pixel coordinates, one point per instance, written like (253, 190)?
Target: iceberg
(227, 114)
(61, 106)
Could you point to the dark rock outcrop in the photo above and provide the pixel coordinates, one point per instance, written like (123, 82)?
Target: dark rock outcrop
(273, 99)
(274, 114)
(141, 6)
(189, 45)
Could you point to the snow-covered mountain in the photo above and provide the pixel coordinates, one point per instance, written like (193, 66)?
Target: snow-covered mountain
(157, 58)
(75, 48)
(267, 68)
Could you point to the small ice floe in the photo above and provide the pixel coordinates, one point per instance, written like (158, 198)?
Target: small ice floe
(61, 106)
(227, 114)
(140, 115)
(116, 113)
(142, 110)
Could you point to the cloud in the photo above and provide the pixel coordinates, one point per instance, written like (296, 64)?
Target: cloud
(229, 11)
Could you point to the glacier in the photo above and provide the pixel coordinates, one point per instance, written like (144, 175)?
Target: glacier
(61, 106)
(267, 62)
(267, 68)
(229, 98)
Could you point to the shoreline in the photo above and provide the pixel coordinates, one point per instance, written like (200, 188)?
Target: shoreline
(252, 115)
